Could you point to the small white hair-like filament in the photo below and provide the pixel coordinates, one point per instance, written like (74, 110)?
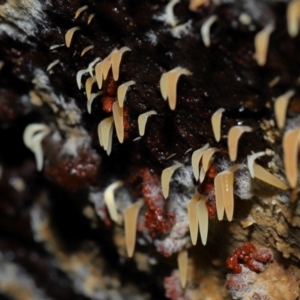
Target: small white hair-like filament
(290, 155)
(261, 44)
(32, 137)
(79, 75)
(118, 120)
(166, 177)
(293, 17)
(205, 29)
(168, 85)
(130, 223)
(216, 123)
(182, 260)
(69, 35)
(109, 199)
(92, 64)
(142, 120)
(234, 135)
(170, 17)
(196, 157)
(122, 90)
(80, 10)
(280, 107)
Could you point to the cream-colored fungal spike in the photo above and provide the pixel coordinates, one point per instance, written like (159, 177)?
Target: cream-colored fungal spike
(250, 161)
(105, 132)
(202, 219)
(290, 156)
(193, 217)
(109, 199)
(53, 64)
(261, 44)
(166, 177)
(35, 99)
(224, 192)
(262, 174)
(118, 119)
(130, 222)
(88, 86)
(182, 260)
(280, 107)
(216, 123)
(91, 99)
(32, 137)
(142, 120)
(205, 29)
(195, 4)
(91, 65)
(170, 17)
(91, 17)
(106, 66)
(234, 135)
(79, 76)
(207, 156)
(293, 17)
(116, 57)
(80, 10)
(99, 76)
(203, 173)
(122, 90)
(170, 156)
(168, 85)
(69, 35)
(86, 49)
(274, 81)
(196, 157)
(53, 47)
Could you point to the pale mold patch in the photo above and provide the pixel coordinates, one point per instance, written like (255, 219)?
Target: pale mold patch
(224, 192)
(261, 44)
(250, 161)
(196, 157)
(105, 133)
(182, 260)
(166, 177)
(182, 30)
(86, 49)
(118, 120)
(53, 64)
(293, 17)
(216, 123)
(142, 120)
(168, 85)
(122, 90)
(205, 29)
(234, 135)
(130, 222)
(290, 155)
(88, 86)
(32, 137)
(195, 4)
(80, 10)
(69, 35)
(262, 174)
(109, 200)
(280, 107)
(245, 19)
(193, 217)
(91, 99)
(202, 219)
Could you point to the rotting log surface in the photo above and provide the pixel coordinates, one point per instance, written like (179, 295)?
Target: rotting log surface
(54, 227)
